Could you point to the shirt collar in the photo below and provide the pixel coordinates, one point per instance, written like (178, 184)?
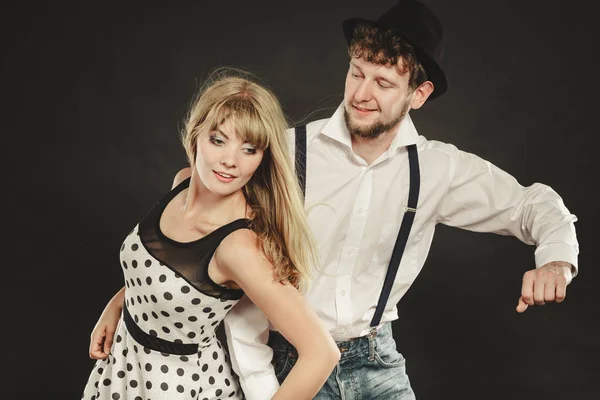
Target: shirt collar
(336, 129)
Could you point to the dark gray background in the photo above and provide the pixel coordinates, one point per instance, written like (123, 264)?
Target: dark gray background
(93, 97)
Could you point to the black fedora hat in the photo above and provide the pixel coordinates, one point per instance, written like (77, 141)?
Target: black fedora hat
(419, 26)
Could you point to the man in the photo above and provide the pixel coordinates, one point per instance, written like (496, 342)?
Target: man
(358, 195)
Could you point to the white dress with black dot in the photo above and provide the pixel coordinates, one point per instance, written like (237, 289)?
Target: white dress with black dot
(165, 346)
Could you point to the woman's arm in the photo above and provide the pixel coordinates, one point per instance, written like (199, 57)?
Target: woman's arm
(241, 261)
(103, 333)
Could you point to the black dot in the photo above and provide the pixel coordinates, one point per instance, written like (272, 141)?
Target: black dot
(215, 355)
(106, 382)
(177, 275)
(123, 246)
(127, 283)
(211, 315)
(153, 333)
(129, 367)
(195, 377)
(134, 264)
(165, 329)
(116, 396)
(139, 299)
(218, 392)
(146, 299)
(207, 309)
(165, 314)
(148, 367)
(153, 298)
(121, 374)
(211, 380)
(147, 350)
(162, 278)
(180, 371)
(178, 325)
(195, 301)
(231, 394)
(125, 353)
(138, 398)
(185, 289)
(180, 388)
(164, 386)
(192, 319)
(100, 370)
(135, 317)
(214, 323)
(134, 247)
(191, 335)
(228, 306)
(148, 263)
(220, 369)
(193, 393)
(139, 281)
(184, 358)
(148, 280)
(124, 265)
(119, 338)
(135, 348)
(178, 341)
(132, 282)
(227, 382)
(179, 309)
(168, 296)
(133, 383)
(154, 315)
(148, 385)
(205, 368)
(164, 369)
(144, 316)
(132, 301)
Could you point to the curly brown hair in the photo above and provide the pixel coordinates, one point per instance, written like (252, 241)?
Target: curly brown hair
(387, 48)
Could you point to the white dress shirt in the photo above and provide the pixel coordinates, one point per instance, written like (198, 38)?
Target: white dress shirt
(355, 210)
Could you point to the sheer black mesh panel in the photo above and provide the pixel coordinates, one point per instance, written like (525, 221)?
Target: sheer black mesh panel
(190, 260)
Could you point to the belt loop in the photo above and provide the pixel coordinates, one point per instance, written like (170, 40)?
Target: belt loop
(371, 336)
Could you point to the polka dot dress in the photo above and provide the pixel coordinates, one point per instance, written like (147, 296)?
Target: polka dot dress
(165, 345)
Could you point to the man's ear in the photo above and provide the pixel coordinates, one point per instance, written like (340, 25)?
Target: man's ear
(421, 94)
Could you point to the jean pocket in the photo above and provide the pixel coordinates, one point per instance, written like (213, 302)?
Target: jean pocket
(281, 363)
(389, 357)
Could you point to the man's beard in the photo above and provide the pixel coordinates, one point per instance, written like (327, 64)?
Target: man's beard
(377, 128)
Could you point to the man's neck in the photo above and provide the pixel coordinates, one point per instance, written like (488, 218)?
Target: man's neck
(371, 149)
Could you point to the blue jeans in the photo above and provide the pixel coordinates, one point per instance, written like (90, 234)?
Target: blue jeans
(369, 368)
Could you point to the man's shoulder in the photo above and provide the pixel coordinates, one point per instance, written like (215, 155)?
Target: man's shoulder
(312, 128)
(427, 146)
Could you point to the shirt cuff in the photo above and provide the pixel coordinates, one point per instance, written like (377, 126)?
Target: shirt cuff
(556, 252)
(262, 387)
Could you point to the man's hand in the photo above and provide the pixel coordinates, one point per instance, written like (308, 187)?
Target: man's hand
(546, 283)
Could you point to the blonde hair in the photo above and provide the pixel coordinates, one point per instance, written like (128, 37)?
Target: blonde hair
(273, 193)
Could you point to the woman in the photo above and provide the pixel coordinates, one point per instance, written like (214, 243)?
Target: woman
(232, 224)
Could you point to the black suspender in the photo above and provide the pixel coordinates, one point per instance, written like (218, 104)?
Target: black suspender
(407, 220)
(301, 157)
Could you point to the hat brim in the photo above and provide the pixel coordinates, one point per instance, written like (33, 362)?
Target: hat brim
(434, 72)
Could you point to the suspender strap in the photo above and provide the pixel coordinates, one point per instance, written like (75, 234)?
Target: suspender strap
(301, 157)
(407, 221)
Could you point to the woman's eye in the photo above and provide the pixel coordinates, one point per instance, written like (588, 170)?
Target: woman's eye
(249, 150)
(215, 140)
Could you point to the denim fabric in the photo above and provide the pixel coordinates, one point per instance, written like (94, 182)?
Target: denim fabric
(369, 368)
